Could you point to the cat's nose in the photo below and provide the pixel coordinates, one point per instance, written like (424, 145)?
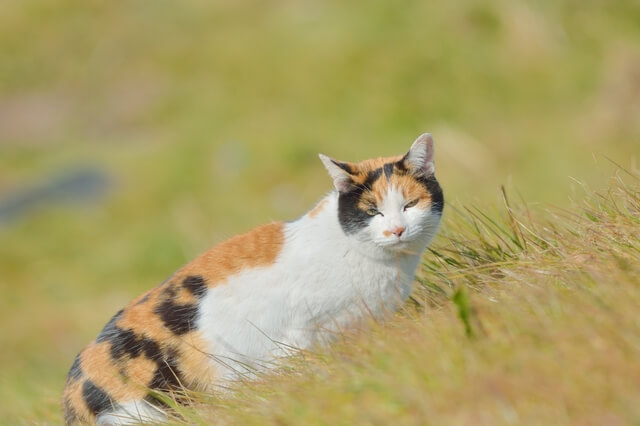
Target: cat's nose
(398, 230)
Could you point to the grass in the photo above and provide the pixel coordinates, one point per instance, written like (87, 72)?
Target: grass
(524, 319)
(207, 118)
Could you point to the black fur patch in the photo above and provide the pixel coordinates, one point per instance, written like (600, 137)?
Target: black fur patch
(170, 290)
(128, 343)
(150, 349)
(96, 398)
(388, 170)
(433, 187)
(344, 166)
(351, 218)
(75, 372)
(196, 284)
(372, 177)
(125, 343)
(176, 317)
(401, 165)
(167, 375)
(110, 330)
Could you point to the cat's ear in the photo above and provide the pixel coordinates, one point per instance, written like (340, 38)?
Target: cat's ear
(419, 159)
(340, 173)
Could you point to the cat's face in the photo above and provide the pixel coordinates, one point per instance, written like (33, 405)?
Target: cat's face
(394, 203)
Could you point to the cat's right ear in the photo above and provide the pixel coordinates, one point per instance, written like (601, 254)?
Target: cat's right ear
(340, 173)
(419, 159)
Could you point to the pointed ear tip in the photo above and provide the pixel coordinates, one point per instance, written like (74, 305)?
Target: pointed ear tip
(329, 164)
(324, 158)
(426, 137)
(425, 141)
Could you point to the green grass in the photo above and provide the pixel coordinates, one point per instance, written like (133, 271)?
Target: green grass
(209, 117)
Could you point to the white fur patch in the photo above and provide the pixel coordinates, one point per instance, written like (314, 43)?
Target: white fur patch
(132, 413)
(322, 282)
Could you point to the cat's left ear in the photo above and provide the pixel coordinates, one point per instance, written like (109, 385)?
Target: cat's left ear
(339, 172)
(419, 159)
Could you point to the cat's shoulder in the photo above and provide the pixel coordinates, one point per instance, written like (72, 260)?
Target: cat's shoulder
(258, 247)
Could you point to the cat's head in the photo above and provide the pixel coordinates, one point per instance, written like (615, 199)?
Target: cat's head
(394, 203)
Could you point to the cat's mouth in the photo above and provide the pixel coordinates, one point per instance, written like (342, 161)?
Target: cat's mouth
(395, 245)
(402, 247)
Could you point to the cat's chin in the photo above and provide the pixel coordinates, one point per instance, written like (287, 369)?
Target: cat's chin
(399, 247)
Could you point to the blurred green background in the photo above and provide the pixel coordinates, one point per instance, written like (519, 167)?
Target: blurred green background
(133, 135)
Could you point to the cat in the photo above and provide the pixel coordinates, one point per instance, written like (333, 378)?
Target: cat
(261, 296)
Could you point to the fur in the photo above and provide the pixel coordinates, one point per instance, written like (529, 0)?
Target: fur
(260, 296)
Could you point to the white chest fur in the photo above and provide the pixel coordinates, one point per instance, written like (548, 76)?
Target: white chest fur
(320, 283)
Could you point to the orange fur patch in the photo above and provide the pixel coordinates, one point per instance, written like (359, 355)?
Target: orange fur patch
(140, 371)
(259, 247)
(73, 397)
(361, 169)
(98, 367)
(411, 190)
(367, 166)
(140, 317)
(196, 365)
(183, 296)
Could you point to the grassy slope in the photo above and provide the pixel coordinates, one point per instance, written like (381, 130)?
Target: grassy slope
(549, 304)
(209, 116)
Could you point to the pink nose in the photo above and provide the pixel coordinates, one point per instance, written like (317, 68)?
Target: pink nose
(398, 231)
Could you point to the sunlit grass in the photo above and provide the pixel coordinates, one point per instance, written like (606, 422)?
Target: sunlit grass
(527, 317)
(208, 117)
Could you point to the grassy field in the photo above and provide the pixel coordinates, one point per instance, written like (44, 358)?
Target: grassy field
(526, 319)
(205, 120)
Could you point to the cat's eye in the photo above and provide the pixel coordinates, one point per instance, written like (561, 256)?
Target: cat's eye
(410, 204)
(372, 211)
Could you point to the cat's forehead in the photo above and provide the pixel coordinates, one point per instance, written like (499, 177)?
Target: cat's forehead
(367, 171)
(404, 183)
(381, 175)
(373, 164)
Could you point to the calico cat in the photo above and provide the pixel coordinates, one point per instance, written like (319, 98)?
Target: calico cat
(258, 296)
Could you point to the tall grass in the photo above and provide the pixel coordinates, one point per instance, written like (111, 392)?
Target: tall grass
(207, 117)
(518, 317)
